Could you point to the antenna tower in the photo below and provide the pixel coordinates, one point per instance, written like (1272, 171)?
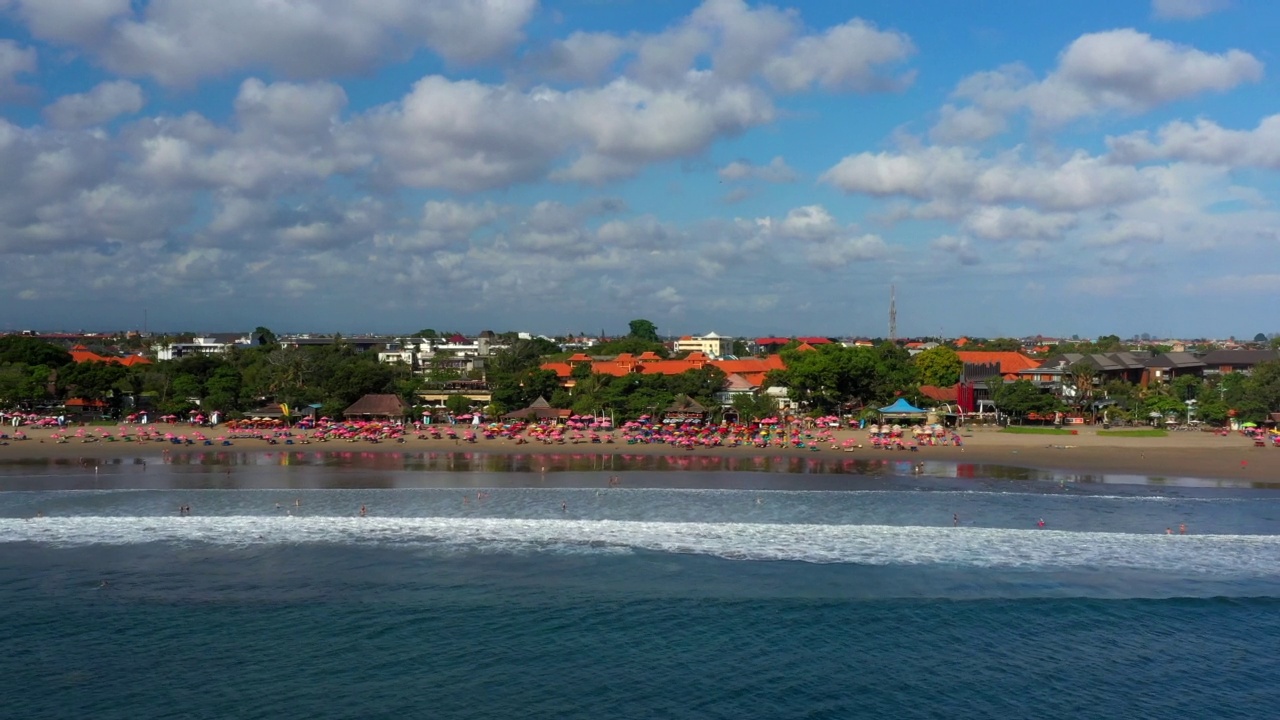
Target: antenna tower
(893, 315)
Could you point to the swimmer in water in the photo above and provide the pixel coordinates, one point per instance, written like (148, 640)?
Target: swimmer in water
(363, 511)
(1182, 529)
(1041, 523)
(955, 519)
(105, 584)
(564, 506)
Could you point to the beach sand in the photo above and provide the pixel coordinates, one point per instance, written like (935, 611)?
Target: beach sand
(1179, 455)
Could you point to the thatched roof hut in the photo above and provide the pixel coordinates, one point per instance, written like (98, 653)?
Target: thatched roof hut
(377, 406)
(539, 409)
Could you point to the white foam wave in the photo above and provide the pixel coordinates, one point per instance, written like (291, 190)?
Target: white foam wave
(1245, 555)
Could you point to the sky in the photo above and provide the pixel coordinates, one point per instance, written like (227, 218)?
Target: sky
(1004, 168)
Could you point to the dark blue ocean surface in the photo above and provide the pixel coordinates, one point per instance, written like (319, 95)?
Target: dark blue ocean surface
(943, 599)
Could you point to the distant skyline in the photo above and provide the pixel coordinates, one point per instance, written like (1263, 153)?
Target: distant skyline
(751, 169)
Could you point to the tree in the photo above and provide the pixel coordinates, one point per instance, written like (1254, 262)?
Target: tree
(267, 337)
(754, 406)
(425, 333)
(32, 351)
(1080, 376)
(939, 366)
(1022, 397)
(644, 330)
(1260, 338)
(740, 348)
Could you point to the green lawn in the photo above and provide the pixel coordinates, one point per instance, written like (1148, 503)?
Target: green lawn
(1023, 430)
(1152, 432)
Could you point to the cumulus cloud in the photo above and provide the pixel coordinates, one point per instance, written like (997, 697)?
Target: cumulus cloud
(960, 248)
(15, 60)
(181, 41)
(776, 171)
(1203, 141)
(958, 175)
(1020, 223)
(735, 43)
(104, 102)
(1123, 71)
(845, 57)
(1186, 9)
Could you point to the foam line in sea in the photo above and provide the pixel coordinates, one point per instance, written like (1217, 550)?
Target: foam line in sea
(1233, 555)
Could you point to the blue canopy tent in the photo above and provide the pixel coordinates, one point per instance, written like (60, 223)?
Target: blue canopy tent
(902, 410)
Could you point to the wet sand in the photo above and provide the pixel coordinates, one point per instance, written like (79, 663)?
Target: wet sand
(1180, 455)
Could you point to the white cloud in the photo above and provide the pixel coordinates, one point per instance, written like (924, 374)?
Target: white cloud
(776, 171)
(1203, 141)
(181, 41)
(1127, 232)
(1121, 70)
(104, 102)
(958, 125)
(845, 57)
(15, 60)
(960, 248)
(954, 174)
(1020, 223)
(583, 57)
(810, 222)
(1186, 9)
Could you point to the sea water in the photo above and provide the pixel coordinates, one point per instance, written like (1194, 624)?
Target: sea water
(541, 591)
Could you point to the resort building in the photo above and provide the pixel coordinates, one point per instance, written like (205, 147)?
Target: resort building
(712, 345)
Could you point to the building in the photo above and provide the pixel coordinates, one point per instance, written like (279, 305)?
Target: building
(1222, 362)
(712, 345)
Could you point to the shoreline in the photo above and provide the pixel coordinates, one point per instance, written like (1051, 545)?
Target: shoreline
(1203, 456)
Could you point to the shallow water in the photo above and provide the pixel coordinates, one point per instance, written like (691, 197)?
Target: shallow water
(482, 592)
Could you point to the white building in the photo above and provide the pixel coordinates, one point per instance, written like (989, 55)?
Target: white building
(712, 345)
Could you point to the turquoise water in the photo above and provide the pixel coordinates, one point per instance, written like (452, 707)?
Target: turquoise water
(483, 592)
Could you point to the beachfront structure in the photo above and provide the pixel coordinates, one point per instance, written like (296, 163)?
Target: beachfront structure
(712, 345)
(1223, 362)
(377, 406)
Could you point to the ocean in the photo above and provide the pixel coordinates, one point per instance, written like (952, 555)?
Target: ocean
(526, 587)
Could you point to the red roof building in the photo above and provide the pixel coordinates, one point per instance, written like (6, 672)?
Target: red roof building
(1011, 363)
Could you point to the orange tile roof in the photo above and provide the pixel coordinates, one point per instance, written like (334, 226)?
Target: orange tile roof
(1010, 362)
(751, 369)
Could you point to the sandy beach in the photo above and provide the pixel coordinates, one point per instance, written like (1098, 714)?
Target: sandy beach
(1190, 454)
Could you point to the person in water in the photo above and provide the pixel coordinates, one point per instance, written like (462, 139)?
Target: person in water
(1041, 523)
(955, 519)
(1182, 529)
(363, 511)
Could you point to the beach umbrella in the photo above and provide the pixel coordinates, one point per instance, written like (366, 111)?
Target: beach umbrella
(1249, 424)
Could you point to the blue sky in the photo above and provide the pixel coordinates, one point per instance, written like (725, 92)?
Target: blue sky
(319, 165)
